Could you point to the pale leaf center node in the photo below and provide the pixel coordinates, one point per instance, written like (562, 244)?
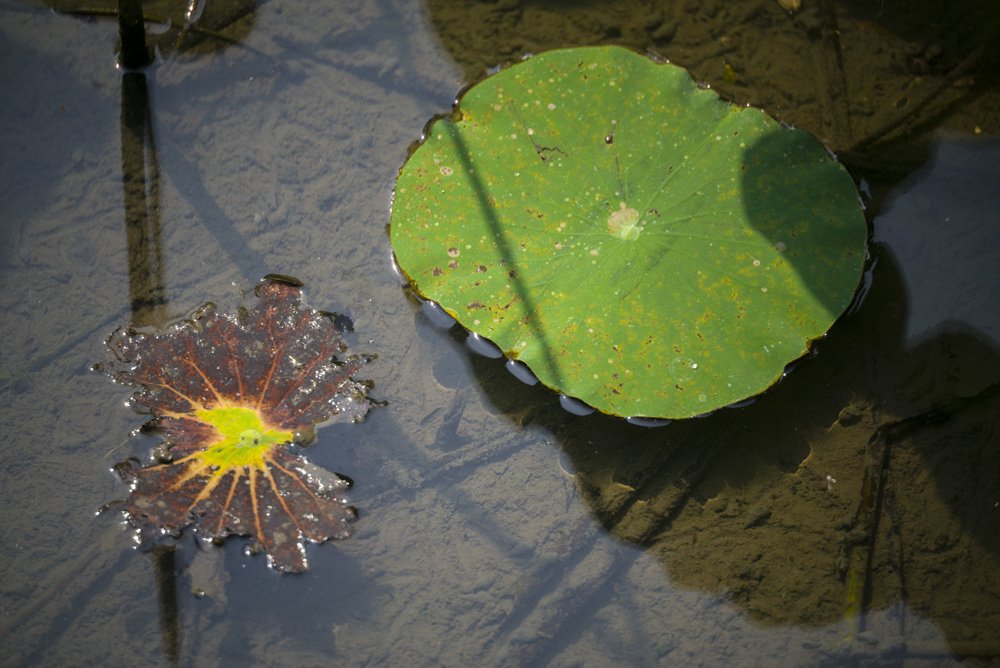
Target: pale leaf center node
(250, 437)
(624, 223)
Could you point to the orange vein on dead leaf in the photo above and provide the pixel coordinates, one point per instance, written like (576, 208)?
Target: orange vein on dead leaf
(229, 394)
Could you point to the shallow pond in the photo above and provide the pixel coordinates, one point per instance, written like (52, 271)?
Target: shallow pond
(849, 515)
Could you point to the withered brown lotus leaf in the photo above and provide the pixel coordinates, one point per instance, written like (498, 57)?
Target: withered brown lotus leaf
(232, 395)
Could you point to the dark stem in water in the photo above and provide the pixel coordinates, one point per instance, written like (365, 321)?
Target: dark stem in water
(142, 216)
(166, 588)
(133, 35)
(140, 181)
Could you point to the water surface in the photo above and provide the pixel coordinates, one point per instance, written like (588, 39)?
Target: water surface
(850, 514)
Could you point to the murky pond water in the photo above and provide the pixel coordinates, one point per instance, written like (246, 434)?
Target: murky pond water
(851, 514)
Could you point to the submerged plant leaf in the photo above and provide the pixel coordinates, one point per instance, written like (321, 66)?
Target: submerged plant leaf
(639, 243)
(231, 394)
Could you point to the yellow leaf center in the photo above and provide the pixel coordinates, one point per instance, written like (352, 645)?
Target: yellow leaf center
(244, 439)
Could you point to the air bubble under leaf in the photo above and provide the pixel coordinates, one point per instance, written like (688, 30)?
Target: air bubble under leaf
(230, 394)
(639, 243)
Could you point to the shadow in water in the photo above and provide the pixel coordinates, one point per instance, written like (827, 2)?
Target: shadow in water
(166, 587)
(811, 506)
(140, 178)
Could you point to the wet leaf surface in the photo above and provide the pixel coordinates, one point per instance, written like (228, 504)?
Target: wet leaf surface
(232, 396)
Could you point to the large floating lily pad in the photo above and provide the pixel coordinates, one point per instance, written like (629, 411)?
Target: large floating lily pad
(639, 243)
(231, 394)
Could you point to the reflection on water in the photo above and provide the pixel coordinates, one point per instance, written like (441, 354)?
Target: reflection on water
(941, 226)
(194, 25)
(866, 481)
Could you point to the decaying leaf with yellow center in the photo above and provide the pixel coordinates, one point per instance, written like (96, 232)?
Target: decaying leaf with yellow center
(230, 394)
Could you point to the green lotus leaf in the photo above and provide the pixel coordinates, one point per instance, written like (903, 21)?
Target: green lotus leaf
(639, 243)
